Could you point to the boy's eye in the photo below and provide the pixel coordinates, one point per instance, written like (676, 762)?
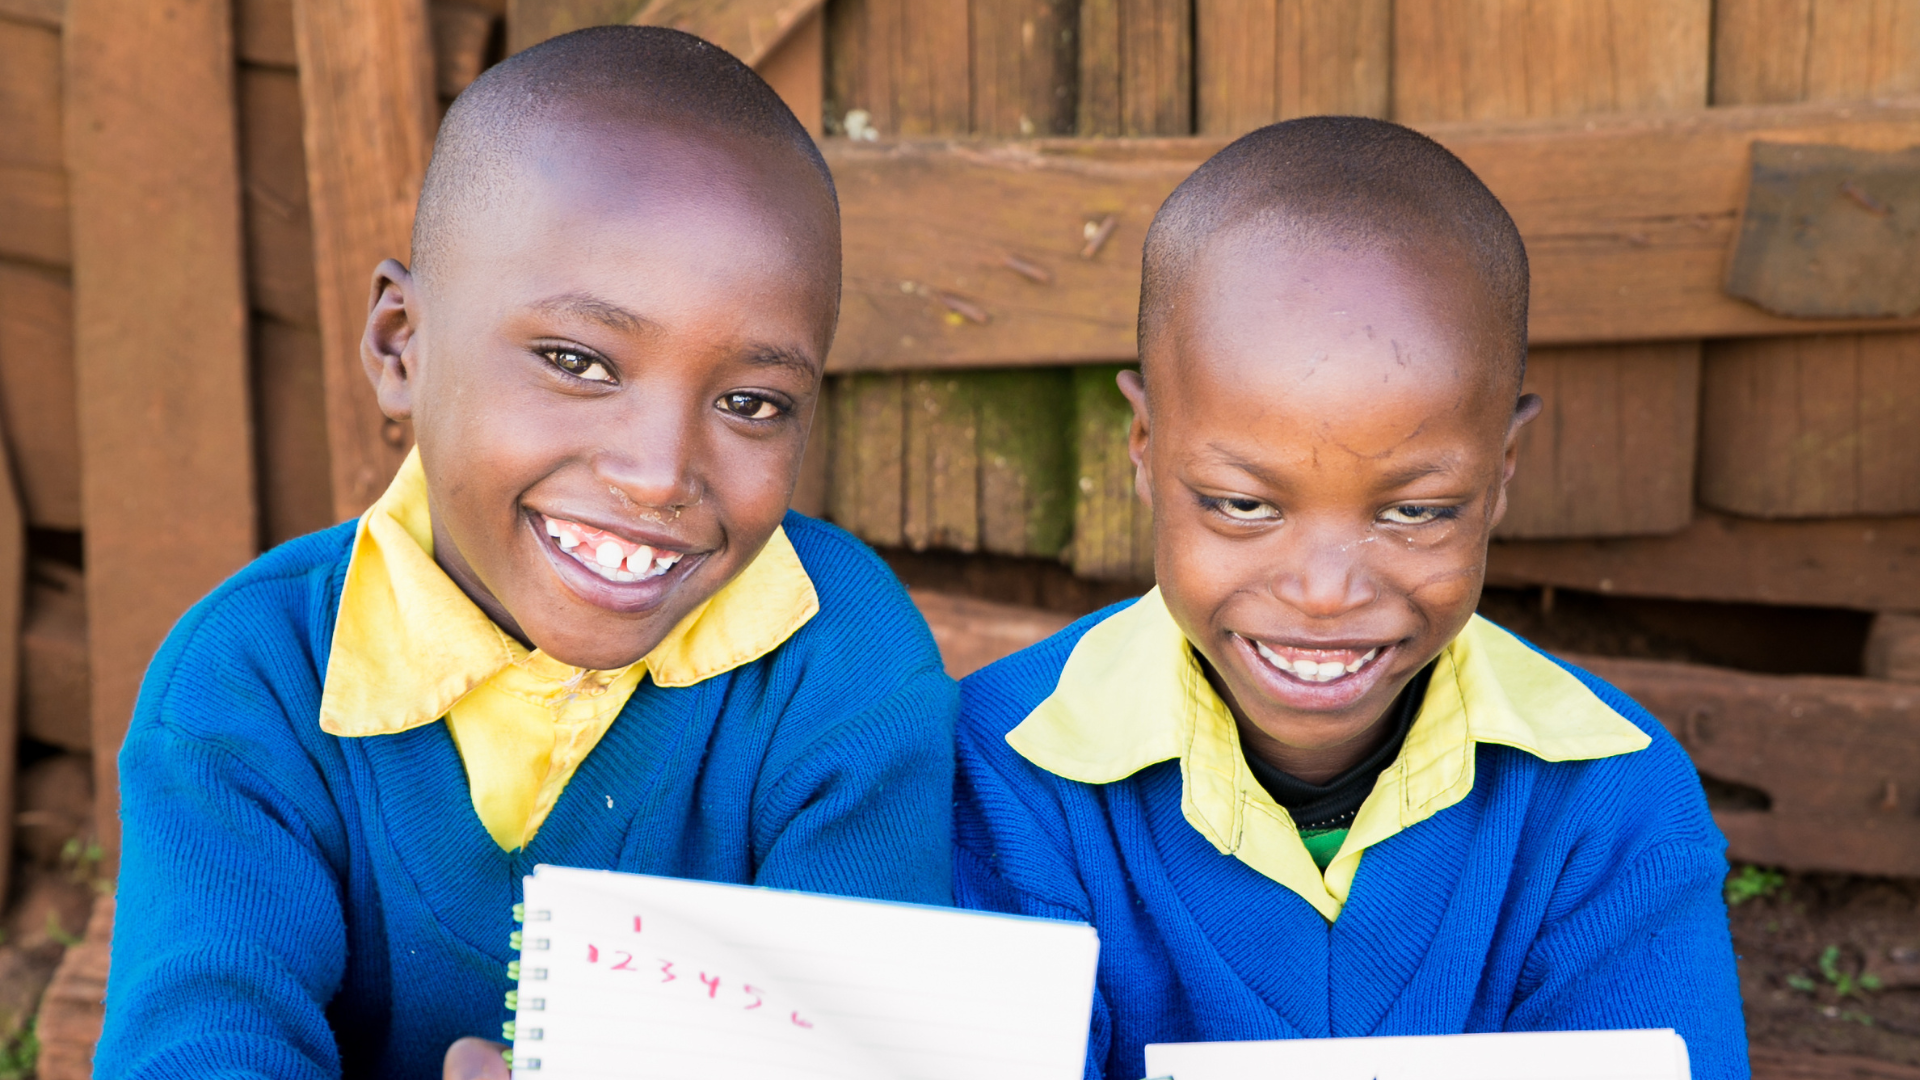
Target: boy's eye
(1241, 508)
(1418, 515)
(749, 406)
(579, 364)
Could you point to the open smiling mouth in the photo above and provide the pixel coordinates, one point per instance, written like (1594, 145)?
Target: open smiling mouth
(1317, 666)
(608, 555)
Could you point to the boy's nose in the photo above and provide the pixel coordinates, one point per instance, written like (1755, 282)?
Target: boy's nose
(649, 465)
(1323, 581)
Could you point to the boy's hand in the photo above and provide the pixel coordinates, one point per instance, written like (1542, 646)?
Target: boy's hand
(475, 1059)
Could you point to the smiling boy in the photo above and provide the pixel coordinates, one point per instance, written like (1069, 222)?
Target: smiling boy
(580, 628)
(1300, 789)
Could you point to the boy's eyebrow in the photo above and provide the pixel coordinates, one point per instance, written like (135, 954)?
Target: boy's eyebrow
(582, 305)
(777, 356)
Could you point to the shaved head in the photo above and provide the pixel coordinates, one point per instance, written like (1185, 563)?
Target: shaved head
(1341, 184)
(626, 77)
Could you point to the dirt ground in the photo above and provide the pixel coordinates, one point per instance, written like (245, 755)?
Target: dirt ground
(1829, 963)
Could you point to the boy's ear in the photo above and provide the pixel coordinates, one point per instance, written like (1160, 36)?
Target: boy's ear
(386, 348)
(1134, 386)
(1524, 410)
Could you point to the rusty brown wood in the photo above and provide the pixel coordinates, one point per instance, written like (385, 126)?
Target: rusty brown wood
(160, 341)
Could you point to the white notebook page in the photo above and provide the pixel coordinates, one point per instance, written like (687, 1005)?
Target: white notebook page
(1544, 1055)
(648, 977)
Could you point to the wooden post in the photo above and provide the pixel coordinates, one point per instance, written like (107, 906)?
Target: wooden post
(160, 335)
(1258, 61)
(366, 88)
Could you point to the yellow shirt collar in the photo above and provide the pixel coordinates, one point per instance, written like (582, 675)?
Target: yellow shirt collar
(1132, 694)
(408, 643)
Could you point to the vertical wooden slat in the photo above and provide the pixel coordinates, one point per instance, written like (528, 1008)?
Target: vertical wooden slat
(1612, 453)
(1501, 59)
(869, 430)
(160, 333)
(366, 87)
(903, 62)
(1258, 61)
(1026, 461)
(941, 501)
(1112, 528)
(796, 70)
(530, 22)
(1024, 66)
(37, 392)
(1136, 67)
(1820, 426)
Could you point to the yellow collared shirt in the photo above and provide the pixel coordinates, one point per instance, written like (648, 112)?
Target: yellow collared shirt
(1133, 694)
(410, 648)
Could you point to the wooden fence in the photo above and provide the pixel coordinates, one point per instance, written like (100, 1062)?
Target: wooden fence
(193, 194)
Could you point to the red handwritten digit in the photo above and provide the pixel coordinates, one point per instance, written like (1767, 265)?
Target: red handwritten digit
(593, 955)
(666, 968)
(636, 924)
(799, 1022)
(753, 992)
(713, 985)
(625, 964)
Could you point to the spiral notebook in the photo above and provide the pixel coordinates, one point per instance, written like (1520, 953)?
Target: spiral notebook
(1658, 1054)
(649, 977)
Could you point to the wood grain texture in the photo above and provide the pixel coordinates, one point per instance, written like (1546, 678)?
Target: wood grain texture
(1812, 426)
(1612, 452)
(1259, 61)
(160, 333)
(263, 33)
(1838, 758)
(941, 473)
(34, 215)
(867, 490)
(1136, 67)
(1026, 454)
(797, 71)
(1779, 51)
(1025, 65)
(289, 396)
(1112, 528)
(461, 34)
(1492, 59)
(905, 63)
(366, 87)
(279, 224)
(749, 29)
(38, 412)
(530, 22)
(1893, 648)
(1627, 221)
(1869, 564)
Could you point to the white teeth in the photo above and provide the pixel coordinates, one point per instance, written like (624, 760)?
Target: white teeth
(1311, 670)
(641, 560)
(552, 529)
(1362, 662)
(609, 555)
(568, 541)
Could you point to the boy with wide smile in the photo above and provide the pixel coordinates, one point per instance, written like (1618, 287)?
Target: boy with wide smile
(1300, 788)
(581, 626)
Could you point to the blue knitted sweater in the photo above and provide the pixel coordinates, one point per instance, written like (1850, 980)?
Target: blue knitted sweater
(295, 905)
(1575, 895)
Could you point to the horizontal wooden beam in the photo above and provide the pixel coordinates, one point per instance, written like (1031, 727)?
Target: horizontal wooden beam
(1871, 564)
(1838, 759)
(984, 254)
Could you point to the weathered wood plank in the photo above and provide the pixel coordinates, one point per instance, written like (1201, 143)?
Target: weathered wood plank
(1812, 426)
(366, 88)
(1779, 51)
(33, 215)
(1026, 453)
(30, 95)
(1496, 59)
(289, 396)
(1893, 648)
(902, 62)
(1838, 758)
(1112, 528)
(279, 226)
(941, 472)
(54, 673)
(1612, 453)
(1136, 67)
(1870, 564)
(1627, 221)
(37, 409)
(530, 22)
(1258, 61)
(45, 13)
(797, 71)
(749, 29)
(1024, 67)
(460, 35)
(263, 33)
(867, 491)
(160, 341)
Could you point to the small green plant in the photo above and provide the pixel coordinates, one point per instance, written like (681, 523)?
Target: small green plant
(59, 933)
(1752, 882)
(81, 858)
(19, 1054)
(1845, 984)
